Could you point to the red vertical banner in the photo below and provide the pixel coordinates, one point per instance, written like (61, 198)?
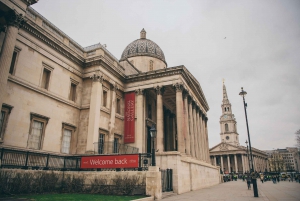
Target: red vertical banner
(129, 119)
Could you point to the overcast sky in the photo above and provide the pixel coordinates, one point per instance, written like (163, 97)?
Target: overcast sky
(261, 52)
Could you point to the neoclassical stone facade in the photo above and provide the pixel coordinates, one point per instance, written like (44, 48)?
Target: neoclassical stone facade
(58, 96)
(229, 155)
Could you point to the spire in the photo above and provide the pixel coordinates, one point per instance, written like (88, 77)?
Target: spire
(143, 34)
(225, 97)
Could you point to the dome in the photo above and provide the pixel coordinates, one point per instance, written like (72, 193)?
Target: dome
(143, 47)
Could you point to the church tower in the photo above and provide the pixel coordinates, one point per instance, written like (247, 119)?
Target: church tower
(227, 122)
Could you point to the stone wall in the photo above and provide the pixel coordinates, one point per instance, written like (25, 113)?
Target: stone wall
(188, 173)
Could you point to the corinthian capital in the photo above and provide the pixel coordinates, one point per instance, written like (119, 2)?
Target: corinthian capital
(139, 91)
(97, 78)
(15, 19)
(159, 90)
(178, 87)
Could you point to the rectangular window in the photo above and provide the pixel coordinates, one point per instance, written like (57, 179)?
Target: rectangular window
(72, 96)
(13, 62)
(104, 98)
(101, 143)
(34, 141)
(45, 78)
(5, 112)
(118, 106)
(66, 141)
(37, 131)
(116, 145)
(2, 118)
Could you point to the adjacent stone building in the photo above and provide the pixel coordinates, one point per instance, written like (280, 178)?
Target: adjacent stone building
(283, 159)
(229, 154)
(58, 96)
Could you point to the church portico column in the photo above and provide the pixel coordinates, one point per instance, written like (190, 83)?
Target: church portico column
(243, 163)
(94, 113)
(186, 125)
(179, 117)
(160, 119)
(140, 121)
(191, 129)
(215, 160)
(222, 167)
(228, 161)
(235, 164)
(8, 46)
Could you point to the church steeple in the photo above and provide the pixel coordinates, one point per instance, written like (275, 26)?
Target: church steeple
(227, 121)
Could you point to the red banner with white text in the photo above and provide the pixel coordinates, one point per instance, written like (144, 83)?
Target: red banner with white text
(129, 118)
(113, 161)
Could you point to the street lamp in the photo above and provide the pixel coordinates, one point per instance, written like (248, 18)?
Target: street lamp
(153, 132)
(243, 94)
(248, 155)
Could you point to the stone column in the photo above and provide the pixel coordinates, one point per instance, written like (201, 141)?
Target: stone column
(191, 129)
(174, 133)
(111, 125)
(222, 167)
(215, 160)
(94, 113)
(243, 163)
(228, 161)
(186, 125)
(198, 139)
(179, 118)
(160, 118)
(201, 136)
(195, 131)
(140, 121)
(235, 164)
(167, 130)
(206, 134)
(8, 46)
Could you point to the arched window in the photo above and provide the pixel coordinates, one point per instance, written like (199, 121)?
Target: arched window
(228, 109)
(225, 109)
(226, 127)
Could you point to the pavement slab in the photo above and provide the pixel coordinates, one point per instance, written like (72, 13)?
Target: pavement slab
(238, 191)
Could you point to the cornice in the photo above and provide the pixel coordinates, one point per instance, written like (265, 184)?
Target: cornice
(53, 42)
(100, 60)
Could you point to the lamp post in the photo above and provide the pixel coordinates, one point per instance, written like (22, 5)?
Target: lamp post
(153, 132)
(248, 155)
(243, 94)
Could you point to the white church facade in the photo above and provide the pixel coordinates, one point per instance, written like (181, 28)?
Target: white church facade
(229, 154)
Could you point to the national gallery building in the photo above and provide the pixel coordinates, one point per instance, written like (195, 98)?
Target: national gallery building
(229, 154)
(60, 97)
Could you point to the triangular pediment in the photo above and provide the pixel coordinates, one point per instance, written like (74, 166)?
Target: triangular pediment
(224, 147)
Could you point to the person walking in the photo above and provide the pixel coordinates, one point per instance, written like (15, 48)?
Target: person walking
(249, 182)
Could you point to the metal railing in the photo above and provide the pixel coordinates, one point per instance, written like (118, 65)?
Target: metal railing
(23, 159)
(114, 148)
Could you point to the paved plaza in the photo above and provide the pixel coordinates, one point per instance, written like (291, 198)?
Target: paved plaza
(237, 191)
